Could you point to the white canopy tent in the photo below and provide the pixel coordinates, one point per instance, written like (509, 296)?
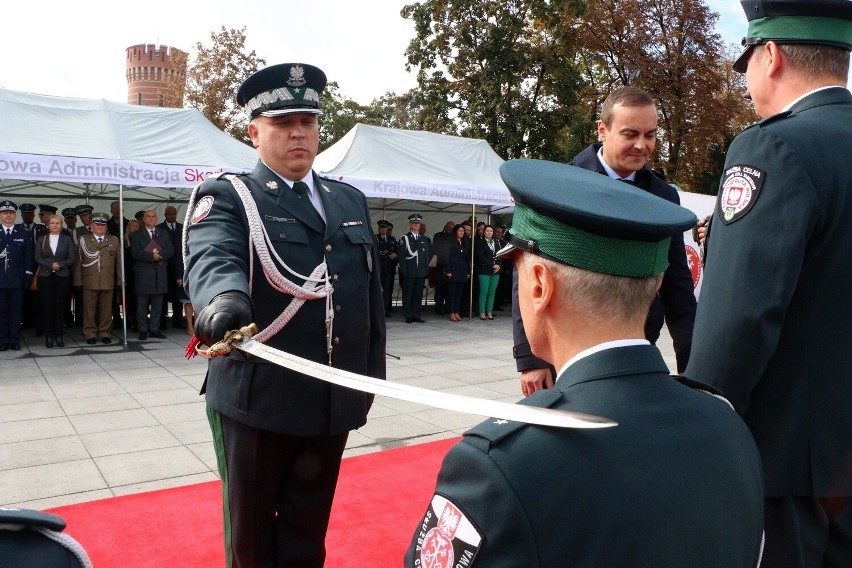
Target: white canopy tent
(442, 177)
(68, 151)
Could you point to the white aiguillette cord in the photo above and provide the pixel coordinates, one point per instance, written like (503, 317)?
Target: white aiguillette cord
(242, 340)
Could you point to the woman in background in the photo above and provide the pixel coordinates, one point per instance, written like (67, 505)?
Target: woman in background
(487, 271)
(456, 271)
(54, 254)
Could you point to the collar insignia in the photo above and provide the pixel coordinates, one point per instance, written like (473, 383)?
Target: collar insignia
(272, 184)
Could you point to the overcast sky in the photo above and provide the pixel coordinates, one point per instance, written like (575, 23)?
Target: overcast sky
(77, 48)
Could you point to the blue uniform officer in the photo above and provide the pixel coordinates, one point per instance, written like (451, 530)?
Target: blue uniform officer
(16, 272)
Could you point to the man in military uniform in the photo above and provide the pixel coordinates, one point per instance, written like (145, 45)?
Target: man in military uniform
(279, 434)
(676, 483)
(98, 271)
(627, 130)
(414, 257)
(16, 272)
(774, 323)
(85, 213)
(28, 218)
(387, 247)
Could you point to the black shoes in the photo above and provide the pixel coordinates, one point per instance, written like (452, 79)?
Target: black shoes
(156, 334)
(419, 320)
(15, 347)
(408, 320)
(106, 340)
(58, 341)
(143, 335)
(48, 341)
(91, 341)
(4, 347)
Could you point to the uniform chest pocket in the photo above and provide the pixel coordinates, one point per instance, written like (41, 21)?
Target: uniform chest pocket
(360, 245)
(287, 233)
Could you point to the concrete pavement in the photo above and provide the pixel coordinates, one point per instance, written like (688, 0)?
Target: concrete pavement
(91, 422)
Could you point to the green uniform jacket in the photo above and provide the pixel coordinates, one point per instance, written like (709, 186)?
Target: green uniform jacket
(261, 394)
(774, 323)
(677, 483)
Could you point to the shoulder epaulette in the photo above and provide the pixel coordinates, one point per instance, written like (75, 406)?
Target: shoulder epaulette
(769, 119)
(494, 430)
(697, 385)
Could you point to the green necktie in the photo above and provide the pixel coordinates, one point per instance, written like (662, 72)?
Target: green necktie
(301, 188)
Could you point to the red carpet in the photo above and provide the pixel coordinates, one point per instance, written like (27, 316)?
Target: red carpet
(380, 499)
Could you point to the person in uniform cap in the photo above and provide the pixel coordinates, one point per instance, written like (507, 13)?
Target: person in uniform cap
(85, 213)
(388, 259)
(279, 435)
(676, 483)
(28, 217)
(98, 272)
(774, 323)
(414, 257)
(16, 272)
(70, 215)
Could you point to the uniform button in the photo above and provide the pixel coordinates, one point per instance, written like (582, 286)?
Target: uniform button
(337, 308)
(282, 236)
(327, 248)
(335, 278)
(337, 341)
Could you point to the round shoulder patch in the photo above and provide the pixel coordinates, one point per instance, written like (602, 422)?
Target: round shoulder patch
(202, 208)
(445, 536)
(740, 188)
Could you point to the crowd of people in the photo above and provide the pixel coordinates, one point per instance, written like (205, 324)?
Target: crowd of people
(456, 263)
(59, 274)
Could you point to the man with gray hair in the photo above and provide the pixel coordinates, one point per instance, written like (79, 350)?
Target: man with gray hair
(676, 483)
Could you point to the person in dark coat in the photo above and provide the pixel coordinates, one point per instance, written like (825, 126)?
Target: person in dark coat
(55, 254)
(774, 324)
(676, 483)
(16, 273)
(173, 296)
(628, 133)
(456, 270)
(279, 434)
(388, 259)
(151, 248)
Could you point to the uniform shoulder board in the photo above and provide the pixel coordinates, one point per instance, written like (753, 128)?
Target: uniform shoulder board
(224, 175)
(494, 430)
(325, 179)
(773, 118)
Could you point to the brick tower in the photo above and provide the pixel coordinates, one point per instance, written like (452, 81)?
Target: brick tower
(152, 71)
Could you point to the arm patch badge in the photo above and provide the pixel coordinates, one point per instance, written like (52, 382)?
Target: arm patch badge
(740, 189)
(446, 537)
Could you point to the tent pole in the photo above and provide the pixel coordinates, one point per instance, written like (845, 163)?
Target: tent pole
(123, 260)
(472, 262)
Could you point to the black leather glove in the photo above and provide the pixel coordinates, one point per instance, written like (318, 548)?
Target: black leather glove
(226, 312)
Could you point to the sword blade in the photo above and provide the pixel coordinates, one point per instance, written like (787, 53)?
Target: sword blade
(437, 399)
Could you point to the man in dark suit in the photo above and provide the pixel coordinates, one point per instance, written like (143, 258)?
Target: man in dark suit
(16, 273)
(151, 248)
(175, 232)
(627, 130)
(676, 483)
(774, 325)
(279, 434)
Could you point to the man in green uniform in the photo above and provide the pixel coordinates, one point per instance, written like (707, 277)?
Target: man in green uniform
(774, 323)
(295, 254)
(676, 483)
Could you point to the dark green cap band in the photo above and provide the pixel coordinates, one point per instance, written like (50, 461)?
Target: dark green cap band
(802, 29)
(589, 251)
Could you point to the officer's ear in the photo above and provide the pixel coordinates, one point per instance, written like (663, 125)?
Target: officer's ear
(252, 132)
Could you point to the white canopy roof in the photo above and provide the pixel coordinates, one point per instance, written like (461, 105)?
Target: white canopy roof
(59, 147)
(407, 165)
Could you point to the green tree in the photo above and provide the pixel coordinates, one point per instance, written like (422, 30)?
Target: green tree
(213, 75)
(498, 70)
